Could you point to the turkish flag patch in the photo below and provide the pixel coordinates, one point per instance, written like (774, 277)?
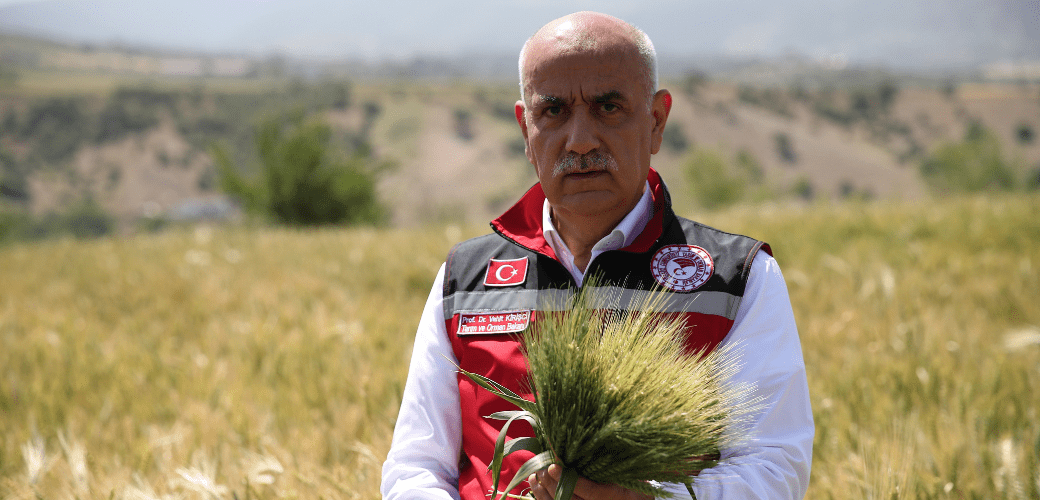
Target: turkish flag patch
(506, 272)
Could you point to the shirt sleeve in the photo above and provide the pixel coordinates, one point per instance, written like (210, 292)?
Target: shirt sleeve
(423, 462)
(775, 462)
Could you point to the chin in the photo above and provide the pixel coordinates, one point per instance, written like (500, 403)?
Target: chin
(591, 204)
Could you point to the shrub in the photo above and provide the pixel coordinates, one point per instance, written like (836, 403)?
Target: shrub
(372, 111)
(785, 147)
(505, 111)
(1024, 133)
(85, 219)
(516, 147)
(693, 81)
(972, 165)
(9, 126)
(749, 165)
(13, 226)
(132, 110)
(339, 94)
(14, 183)
(710, 180)
(301, 181)
(873, 103)
(1033, 181)
(463, 124)
(804, 189)
(769, 99)
(674, 138)
(58, 125)
(831, 112)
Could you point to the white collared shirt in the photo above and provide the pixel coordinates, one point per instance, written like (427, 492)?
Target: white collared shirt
(622, 236)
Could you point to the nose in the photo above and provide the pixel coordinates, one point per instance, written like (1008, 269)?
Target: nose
(581, 133)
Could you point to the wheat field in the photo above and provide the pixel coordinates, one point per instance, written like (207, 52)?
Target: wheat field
(214, 362)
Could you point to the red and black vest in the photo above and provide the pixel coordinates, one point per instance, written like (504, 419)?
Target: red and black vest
(484, 310)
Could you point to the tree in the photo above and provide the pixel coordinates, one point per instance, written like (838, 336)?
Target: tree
(301, 181)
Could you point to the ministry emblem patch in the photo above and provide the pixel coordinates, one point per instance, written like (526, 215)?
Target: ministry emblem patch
(682, 268)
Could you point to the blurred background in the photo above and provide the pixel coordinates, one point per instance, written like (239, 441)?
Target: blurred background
(119, 116)
(220, 220)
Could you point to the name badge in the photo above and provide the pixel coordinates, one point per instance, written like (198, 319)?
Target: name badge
(498, 322)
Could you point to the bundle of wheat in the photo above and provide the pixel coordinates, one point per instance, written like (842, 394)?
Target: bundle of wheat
(618, 400)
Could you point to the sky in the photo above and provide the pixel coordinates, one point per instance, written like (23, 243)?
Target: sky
(895, 33)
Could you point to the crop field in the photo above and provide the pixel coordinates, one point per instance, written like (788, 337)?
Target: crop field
(214, 362)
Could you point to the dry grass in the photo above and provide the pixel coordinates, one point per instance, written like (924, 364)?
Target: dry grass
(920, 328)
(269, 364)
(202, 360)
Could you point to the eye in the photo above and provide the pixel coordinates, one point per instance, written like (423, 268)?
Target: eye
(554, 110)
(609, 107)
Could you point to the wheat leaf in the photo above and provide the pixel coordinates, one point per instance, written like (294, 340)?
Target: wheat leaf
(500, 446)
(498, 389)
(689, 488)
(523, 443)
(509, 414)
(569, 479)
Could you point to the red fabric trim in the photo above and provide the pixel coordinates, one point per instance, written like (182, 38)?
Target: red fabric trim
(655, 226)
(522, 223)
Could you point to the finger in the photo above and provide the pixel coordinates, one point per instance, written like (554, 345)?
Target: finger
(537, 490)
(547, 481)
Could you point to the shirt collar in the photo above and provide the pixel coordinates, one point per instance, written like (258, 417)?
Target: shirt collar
(621, 236)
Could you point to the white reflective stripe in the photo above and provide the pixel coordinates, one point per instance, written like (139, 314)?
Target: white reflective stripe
(500, 300)
(714, 303)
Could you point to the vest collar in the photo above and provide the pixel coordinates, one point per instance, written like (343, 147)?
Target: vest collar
(522, 223)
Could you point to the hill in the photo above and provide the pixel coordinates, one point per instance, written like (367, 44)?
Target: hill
(125, 130)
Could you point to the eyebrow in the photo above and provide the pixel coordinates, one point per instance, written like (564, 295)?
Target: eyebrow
(550, 100)
(613, 95)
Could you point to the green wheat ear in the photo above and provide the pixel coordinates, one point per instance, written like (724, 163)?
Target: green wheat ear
(617, 398)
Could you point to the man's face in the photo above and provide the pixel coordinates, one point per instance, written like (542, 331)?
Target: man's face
(590, 128)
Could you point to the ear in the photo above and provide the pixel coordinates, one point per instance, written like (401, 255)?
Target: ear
(519, 111)
(521, 119)
(659, 109)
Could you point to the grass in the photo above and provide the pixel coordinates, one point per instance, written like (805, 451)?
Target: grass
(270, 363)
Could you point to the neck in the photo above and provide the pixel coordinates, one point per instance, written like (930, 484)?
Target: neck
(581, 232)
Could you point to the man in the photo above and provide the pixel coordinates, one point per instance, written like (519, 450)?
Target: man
(591, 117)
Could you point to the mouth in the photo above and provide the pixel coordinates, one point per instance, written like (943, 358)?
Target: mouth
(585, 174)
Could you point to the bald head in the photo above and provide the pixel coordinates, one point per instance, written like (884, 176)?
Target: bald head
(588, 32)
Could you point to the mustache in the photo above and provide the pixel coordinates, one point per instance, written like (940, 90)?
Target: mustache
(594, 160)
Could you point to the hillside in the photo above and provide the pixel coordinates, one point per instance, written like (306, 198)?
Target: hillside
(138, 144)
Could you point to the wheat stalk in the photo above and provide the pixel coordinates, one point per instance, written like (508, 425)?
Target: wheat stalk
(618, 400)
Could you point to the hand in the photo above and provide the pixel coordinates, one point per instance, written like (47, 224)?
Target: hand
(543, 487)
